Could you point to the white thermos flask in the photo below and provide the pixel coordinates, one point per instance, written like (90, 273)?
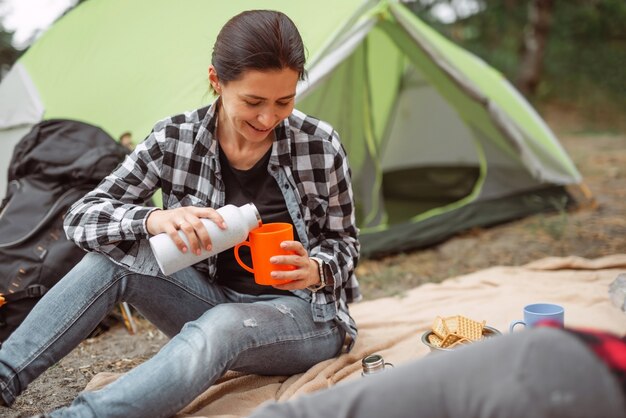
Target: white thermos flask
(239, 222)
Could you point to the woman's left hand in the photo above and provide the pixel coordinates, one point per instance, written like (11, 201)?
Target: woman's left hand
(306, 271)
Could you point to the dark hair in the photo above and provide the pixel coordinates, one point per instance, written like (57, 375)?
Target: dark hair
(258, 40)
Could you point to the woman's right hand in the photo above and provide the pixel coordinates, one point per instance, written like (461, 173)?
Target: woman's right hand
(186, 219)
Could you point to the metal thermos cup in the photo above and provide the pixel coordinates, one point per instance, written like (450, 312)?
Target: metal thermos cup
(374, 363)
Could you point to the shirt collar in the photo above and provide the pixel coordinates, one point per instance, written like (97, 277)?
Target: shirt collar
(206, 143)
(281, 150)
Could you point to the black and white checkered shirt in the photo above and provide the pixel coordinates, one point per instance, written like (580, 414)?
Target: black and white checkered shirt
(180, 156)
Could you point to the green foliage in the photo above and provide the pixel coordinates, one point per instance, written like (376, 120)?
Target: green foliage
(8, 53)
(585, 55)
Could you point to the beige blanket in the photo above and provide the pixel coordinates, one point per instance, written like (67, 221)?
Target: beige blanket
(393, 326)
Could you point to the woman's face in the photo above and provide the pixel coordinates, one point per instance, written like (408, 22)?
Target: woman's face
(253, 105)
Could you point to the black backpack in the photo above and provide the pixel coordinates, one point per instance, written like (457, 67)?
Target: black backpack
(54, 165)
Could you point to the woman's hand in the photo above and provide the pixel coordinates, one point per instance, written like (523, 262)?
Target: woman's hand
(306, 271)
(186, 219)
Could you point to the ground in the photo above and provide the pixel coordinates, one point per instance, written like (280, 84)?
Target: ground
(594, 230)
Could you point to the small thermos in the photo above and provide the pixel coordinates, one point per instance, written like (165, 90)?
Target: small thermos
(374, 363)
(239, 222)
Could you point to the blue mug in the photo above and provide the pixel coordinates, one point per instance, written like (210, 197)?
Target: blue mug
(540, 312)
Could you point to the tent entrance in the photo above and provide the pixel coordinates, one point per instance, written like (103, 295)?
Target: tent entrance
(430, 158)
(412, 191)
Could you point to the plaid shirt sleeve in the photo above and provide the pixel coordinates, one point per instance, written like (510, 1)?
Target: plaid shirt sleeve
(323, 178)
(337, 243)
(112, 216)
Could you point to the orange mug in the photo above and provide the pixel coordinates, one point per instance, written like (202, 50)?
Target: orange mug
(264, 243)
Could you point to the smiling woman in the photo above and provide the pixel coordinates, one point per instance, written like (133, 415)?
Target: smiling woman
(255, 72)
(249, 146)
(250, 108)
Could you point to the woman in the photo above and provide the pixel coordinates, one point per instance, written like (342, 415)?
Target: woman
(248, 146)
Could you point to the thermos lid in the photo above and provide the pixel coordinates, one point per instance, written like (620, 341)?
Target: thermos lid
(256, 213)
(373, 363)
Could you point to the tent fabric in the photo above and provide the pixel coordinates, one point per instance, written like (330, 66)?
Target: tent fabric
(20, 109)
(20, 104)
(393, 326)
(488, 86)
(438, 141)
(126, 65)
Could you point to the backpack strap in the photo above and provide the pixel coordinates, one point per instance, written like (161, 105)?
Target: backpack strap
(33, 291)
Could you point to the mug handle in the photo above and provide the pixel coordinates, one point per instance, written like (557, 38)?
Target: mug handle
(518, 322)
(241, 263)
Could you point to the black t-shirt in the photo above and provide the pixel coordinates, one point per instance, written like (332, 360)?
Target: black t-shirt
(256, 186)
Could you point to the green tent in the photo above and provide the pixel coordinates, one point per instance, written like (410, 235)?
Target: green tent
(438, 141)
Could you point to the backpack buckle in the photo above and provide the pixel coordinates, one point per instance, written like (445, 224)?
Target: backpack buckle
(36, 291)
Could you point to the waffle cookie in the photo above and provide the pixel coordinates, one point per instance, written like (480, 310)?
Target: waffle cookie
(450, 340)
(455, 330)
(439, 328)
(434, 340)
(465, 327)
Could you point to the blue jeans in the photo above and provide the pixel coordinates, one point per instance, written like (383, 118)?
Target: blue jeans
(213, 329)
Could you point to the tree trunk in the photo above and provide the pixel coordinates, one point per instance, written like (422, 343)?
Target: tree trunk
(540, 14)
